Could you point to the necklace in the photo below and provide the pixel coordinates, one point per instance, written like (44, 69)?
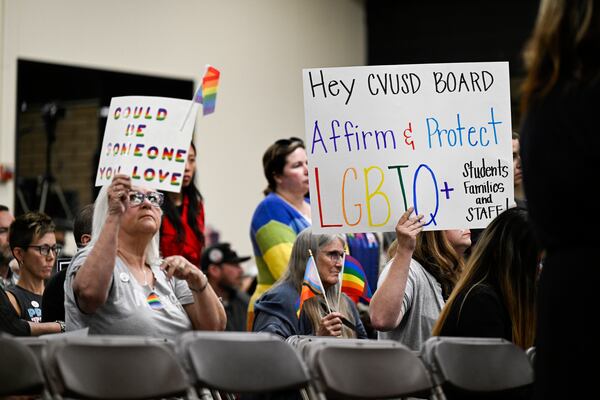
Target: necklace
(144, 271)
(123, 256)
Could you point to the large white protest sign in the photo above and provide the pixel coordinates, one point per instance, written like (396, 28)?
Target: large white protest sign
(143, 139)
(384, 138)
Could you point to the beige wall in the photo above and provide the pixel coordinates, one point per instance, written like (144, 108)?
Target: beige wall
(260, 46)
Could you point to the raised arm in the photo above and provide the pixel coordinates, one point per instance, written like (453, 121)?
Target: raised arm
(92, 281)
(385, 309)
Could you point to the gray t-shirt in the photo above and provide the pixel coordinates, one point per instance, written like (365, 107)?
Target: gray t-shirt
(132, 308)
(421, 306)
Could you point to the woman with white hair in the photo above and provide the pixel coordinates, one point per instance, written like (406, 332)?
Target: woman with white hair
(276, 310)
(119, 285)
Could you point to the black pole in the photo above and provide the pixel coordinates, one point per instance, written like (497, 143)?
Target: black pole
(50, 114)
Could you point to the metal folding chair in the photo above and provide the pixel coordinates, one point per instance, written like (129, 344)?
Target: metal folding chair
(113, 367)
(366, 369)
(233, 363)
(482, 368)
(20, 372)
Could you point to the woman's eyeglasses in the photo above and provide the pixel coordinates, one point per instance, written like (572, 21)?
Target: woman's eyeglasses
(335, 256)
(137, 198)
(288, 142)
(45, 249)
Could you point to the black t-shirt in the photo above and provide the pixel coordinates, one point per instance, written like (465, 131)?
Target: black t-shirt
(53, 300)
(9, 320)
(481, 314)
(237, 310)
(30, 303)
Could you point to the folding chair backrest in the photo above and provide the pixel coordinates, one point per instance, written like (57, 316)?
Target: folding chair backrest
(20, 372)
(113, 367)
(351, 371)
(477, 365)
(309, 346)
(35, 344)
(295, 340)
(243, 362)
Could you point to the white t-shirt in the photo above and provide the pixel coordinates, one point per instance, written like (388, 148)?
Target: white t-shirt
(132, 308)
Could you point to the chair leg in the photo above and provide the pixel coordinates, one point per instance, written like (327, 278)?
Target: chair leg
(313, 393)
(230, 396)
(192, 394)
(304, 394)
(438, 393)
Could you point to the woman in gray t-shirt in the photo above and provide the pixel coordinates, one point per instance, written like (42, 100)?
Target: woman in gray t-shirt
(414, 283)
(119, 285)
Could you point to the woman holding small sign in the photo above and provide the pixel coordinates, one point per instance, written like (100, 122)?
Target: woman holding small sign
(297, 304)
(281, 215)
(119, 285)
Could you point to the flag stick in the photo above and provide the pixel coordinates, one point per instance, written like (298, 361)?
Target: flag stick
(341, 278)
(187, 114)
(320, 282)
(199, 89)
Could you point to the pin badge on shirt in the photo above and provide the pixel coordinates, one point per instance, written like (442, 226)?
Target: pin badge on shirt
(124, 277)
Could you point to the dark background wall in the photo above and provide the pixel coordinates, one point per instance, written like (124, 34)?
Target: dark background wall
(68, 154)
(436, 31)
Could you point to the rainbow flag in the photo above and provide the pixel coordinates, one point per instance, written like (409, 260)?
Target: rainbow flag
(207, 92)
(354, 281)
(311, 285)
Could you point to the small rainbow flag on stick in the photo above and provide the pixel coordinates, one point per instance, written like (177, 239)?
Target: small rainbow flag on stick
(354, 281)
(208, 95)
(311, 285)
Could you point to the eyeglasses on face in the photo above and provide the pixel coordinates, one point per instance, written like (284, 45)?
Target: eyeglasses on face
(335, 256)
(137, 198)
(288, 142)
(45, 249)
